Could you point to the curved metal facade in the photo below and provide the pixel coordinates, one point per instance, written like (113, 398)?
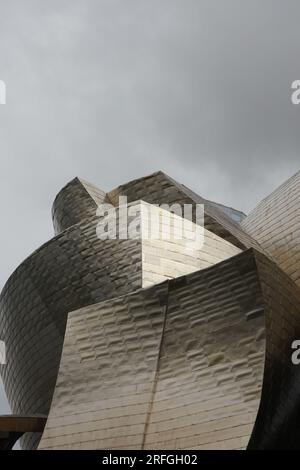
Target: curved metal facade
(275, 223)
(78, 200)
(175, 366)
(180, 364)
(160, 188)
(72, 270)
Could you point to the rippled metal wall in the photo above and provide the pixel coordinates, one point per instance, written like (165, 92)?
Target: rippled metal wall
(160, 188)
(275, 224)
(277, 424)
(78, 200)
(72, 270)
(177, 365)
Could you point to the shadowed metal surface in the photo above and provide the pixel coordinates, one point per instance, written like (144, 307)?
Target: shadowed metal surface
(275, 224)
(277, 424)
(184, 371)
(73, 269)
(160, 188)
(212, 357)
(78, 200)
(177, 365)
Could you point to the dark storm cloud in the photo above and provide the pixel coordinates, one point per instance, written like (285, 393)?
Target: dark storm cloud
(111, 90)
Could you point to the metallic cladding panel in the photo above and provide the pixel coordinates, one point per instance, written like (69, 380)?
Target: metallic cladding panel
(184, 371)
(177, 365)
(277, 424)
(107, 373)
(169, 258)
(275, 223)
(72, 270)
(78, 200)
(212, 358)
(160, 188)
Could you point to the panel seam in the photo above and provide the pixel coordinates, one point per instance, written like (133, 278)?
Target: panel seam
(155, 380)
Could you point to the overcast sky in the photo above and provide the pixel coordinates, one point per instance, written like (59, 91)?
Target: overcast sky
(110, 90)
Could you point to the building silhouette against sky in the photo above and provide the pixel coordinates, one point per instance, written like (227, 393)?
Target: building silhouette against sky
(153, 344)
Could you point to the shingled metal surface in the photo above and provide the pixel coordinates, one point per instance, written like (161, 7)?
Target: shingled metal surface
(277, 424)
(159, 188)
(72, 270)
(275, 224)
(78, 200)
(212, 358)
(169, 257)
(114, 352)
(178, 365)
